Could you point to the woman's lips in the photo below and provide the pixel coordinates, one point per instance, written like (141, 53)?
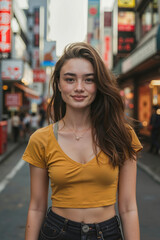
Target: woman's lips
(78, 97)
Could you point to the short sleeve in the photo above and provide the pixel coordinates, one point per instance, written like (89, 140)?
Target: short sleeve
(137, 146)
(35, 152)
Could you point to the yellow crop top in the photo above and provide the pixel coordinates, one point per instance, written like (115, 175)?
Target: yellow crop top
(74, 185)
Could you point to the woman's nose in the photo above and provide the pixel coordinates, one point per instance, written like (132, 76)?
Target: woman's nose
(79, 86)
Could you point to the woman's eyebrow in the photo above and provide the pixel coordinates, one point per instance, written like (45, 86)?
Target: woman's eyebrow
(73, 74)
(68, 73)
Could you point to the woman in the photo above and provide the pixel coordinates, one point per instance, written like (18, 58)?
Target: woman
(86, 154)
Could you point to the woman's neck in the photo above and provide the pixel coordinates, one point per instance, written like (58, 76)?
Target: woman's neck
(77, 120)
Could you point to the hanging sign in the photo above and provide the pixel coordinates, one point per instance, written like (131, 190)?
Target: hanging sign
(12, 69)
(13, 99)
(5, 28)
(126, 3)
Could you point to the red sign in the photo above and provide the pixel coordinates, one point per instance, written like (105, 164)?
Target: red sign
(93, 11)
(126, 21)
(107, 50)
(126, 42)
(39, 75)
(107, 19)
(5, 26)
(13, 99)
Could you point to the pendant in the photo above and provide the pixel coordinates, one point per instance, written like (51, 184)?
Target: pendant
(77, 138)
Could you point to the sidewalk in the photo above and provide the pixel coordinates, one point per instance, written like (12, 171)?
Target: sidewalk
(148, 162)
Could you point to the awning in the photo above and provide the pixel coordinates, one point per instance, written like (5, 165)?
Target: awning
(30, 93)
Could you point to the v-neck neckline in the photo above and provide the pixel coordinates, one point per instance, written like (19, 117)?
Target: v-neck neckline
(69, 158)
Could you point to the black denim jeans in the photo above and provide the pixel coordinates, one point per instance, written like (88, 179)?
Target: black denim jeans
(59, 228)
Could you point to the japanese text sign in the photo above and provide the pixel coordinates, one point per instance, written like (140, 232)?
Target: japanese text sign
(13, 99)
(5, 26)
(12, 69)
(39, 75)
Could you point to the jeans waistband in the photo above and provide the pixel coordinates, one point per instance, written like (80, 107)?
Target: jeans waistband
(110, 223)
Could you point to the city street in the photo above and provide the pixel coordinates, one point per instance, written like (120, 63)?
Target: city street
(88, 66)
(14, 200)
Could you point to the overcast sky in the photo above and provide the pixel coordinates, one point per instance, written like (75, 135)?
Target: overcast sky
(68, 21)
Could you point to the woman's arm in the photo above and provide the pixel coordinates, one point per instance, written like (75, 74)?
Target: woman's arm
(38, 202)
(127, 200)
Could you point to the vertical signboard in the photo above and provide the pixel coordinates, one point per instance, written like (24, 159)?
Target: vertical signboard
(5, 28)
(126, 26)
(36, 27)
(108, 39)
(36, 36)
(93, 23)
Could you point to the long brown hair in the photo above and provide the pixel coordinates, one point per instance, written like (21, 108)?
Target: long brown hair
(109, 129)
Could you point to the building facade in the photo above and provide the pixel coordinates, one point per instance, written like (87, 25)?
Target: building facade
(139, 73)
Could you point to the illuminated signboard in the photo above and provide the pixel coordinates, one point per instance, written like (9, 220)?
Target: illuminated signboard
(5, 28)
(13, 99)
(126, 3)
(107, 49)
(126, 31)
(126, 21)
(39, 75)
(12, 69)
(126, 42)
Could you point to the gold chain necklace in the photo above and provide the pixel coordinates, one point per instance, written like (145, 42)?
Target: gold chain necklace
(77, 138)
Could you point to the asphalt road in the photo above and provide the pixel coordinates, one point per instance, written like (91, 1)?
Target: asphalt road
(14, 200)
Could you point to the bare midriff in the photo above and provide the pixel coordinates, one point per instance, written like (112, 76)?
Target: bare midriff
(86, 215)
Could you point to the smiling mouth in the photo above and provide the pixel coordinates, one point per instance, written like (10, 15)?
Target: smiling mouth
(78, 98)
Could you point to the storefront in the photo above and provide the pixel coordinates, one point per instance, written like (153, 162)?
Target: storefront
(148, 96)
(143, 92)
(127, 92)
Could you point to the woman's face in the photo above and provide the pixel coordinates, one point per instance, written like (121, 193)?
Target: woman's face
(77, 83)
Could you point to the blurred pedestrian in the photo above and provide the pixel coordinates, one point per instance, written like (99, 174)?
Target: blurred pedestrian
(154, 127)
(21, 125)
(34, 122)
(27, 124)
(42, 116)
(15, 126)
(88, 153)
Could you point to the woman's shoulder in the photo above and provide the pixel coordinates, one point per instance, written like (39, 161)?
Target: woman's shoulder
(41, 134)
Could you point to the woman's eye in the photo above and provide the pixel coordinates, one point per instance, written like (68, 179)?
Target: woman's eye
(89, 80)
(69, 79)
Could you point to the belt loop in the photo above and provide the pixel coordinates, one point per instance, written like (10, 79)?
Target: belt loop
(99, 232)
(65, 225)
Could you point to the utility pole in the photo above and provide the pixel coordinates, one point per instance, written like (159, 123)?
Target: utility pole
(1, 95)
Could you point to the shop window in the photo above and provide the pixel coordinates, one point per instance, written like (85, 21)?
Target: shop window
(128, 95)
(144, 108)
(149, 17)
